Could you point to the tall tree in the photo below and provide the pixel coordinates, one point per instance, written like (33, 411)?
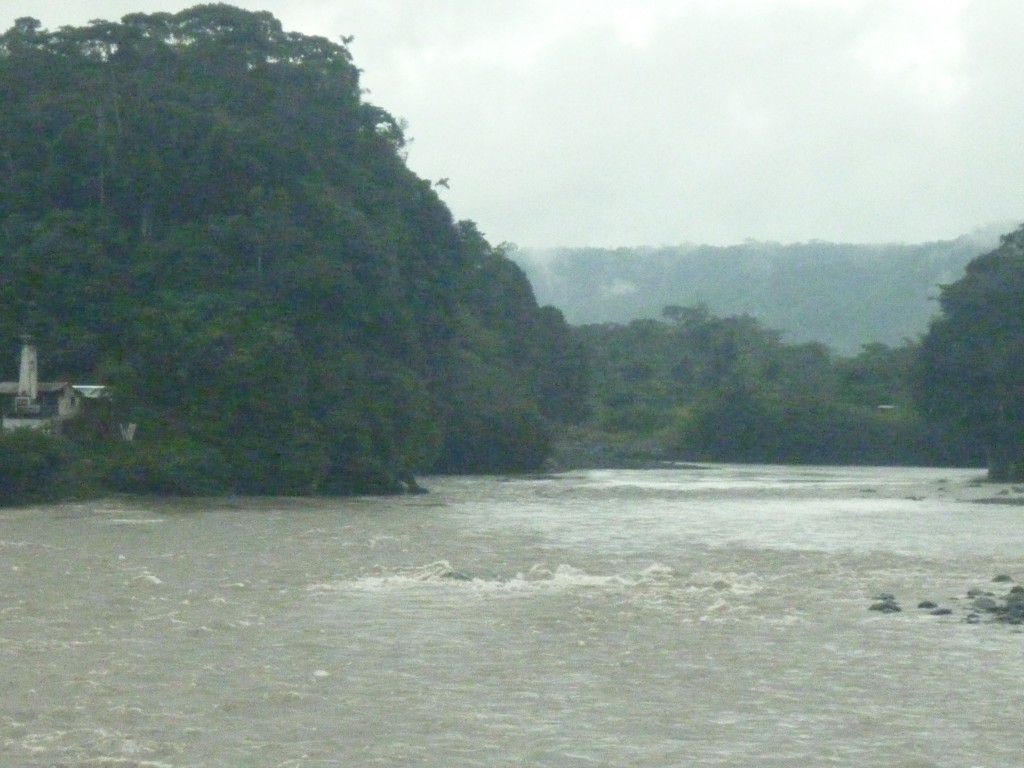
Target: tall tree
(972, 359)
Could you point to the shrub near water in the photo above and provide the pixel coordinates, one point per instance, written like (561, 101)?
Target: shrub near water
(35, 467)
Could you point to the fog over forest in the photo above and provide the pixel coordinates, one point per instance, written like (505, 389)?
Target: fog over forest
(843, 295)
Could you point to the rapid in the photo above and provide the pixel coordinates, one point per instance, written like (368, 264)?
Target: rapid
(711, 616)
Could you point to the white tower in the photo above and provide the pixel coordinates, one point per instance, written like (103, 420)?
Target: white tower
(28, 373)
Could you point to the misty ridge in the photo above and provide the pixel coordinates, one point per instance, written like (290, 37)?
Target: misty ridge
(841, 295)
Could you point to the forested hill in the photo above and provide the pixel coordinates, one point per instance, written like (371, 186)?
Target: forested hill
(841, 295)
(200, 211)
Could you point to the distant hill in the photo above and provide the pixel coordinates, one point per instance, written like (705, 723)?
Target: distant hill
(843, 295)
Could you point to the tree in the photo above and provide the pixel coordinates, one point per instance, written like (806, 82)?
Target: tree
(203, 213)
(35, 467)
(971, 377)
(707, 388)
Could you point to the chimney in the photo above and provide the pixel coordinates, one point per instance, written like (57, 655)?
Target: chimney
(28, 373)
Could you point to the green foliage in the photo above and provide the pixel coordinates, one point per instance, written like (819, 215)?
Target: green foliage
(180, 467)
(971, 376)
(35, 467)
(492, 426)
(700, 387)
(202, 213)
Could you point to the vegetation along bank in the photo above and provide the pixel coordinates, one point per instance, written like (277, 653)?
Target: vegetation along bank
(204, 216)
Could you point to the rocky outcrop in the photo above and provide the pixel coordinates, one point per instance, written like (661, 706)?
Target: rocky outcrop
(886, 603)
(976, 606)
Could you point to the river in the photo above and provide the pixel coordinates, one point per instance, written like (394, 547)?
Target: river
(680, 617)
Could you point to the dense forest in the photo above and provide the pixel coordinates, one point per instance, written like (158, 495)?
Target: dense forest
(201, 212)
(693, 386)
(839, 294)
(696, 387)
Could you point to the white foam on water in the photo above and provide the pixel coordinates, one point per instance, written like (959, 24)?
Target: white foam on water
(132, 521)
(703, 596)
(109, 748)
(538, 578)
(742, 584)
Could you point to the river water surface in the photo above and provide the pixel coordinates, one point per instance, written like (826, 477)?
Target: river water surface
(697, 617)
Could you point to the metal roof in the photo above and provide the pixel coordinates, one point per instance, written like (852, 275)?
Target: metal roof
(91, 391)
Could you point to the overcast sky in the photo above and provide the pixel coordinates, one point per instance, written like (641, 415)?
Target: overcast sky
(661, 122)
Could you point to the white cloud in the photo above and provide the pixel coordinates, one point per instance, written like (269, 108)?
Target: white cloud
(627, 122)
(921, 44)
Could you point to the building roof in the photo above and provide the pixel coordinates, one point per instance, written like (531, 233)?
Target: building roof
(91, 391)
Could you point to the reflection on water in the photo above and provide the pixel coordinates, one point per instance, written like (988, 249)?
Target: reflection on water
(712, 617)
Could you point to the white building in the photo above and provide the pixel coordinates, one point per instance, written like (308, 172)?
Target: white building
(31, 404)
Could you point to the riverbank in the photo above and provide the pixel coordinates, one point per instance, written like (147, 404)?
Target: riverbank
(581, 448)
